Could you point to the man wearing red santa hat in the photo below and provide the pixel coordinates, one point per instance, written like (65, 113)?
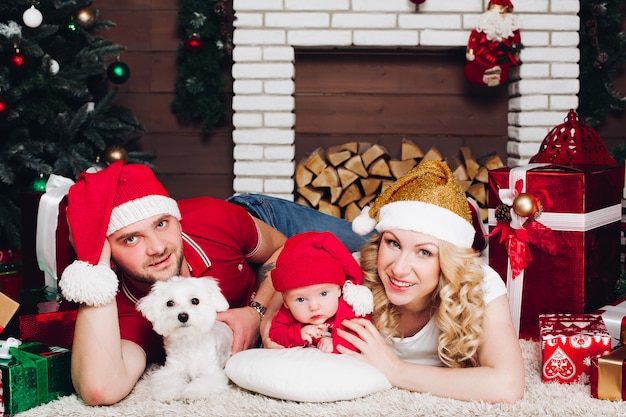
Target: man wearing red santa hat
(494, 45)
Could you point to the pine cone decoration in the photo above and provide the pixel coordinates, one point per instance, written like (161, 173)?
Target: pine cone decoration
(503, 213)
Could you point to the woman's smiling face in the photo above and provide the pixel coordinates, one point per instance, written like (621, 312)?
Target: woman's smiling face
(408, 266)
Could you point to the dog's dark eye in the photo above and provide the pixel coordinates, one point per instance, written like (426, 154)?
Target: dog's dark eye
(169, 303)
(195, 301)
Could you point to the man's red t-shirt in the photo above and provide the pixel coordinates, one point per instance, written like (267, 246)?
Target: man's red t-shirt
(218, 238)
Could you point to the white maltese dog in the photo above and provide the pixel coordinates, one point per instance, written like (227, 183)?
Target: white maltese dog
(197, 346)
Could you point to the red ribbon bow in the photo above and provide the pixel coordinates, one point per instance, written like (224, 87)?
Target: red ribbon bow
(517, 240)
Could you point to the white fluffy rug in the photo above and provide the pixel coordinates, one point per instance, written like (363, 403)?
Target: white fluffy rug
(540, 400)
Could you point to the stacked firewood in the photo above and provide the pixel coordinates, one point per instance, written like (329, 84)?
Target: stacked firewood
(343, 179)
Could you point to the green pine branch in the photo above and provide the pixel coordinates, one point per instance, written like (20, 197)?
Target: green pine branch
(199, 88)
(602, 55)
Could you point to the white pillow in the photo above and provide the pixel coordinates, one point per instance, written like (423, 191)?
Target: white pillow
(304, 374)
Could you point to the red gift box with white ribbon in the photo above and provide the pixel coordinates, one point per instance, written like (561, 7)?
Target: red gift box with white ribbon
(564, 257)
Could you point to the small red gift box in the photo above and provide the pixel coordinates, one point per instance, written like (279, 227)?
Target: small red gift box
(568, 252)
(43, 318)
(608, 374)
(614, 316)
(56, 328)
(568, 344)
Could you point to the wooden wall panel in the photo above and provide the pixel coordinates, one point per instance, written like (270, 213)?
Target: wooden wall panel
(179, 160)
(398, 114)
(189, 163)
(378, 71)
(132, 27)
(384, 96)
(164, 35)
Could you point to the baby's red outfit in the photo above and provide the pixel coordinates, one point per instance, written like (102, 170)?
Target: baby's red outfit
(285, 329)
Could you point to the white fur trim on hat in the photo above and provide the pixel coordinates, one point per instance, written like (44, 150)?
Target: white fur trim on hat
(94, 285)
(140, 209)
(359, 297)
(363, 223)
(426, 218)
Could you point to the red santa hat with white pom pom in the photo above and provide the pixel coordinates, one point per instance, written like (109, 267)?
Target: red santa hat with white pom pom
(99, 204)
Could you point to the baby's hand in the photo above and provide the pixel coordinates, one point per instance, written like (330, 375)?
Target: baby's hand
(313, 331)
(325, 344)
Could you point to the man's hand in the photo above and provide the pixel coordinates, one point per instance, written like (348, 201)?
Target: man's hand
(244, 322)
(105, 255)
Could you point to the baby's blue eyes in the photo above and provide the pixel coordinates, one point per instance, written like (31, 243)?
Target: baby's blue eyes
(302, 299)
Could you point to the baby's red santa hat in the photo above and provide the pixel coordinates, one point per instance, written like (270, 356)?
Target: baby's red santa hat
(427, 200)
(313, 258)
(99, 204)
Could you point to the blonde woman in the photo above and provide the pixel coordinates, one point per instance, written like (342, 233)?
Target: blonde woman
(442, 320)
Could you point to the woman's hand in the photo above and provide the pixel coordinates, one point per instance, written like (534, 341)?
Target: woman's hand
(371, 346)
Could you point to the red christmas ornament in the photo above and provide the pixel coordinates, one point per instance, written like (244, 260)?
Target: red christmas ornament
(4, 108)
(194, 44)
(573, 143)
(17, 60)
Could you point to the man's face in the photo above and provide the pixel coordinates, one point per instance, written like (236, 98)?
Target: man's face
(149, 250)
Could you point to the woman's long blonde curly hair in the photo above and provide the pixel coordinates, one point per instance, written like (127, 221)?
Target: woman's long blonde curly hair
(457, 303)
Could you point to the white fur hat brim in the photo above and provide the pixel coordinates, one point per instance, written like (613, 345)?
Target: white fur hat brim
(426, 218)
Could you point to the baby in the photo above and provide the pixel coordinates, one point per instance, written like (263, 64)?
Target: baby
(320, 284)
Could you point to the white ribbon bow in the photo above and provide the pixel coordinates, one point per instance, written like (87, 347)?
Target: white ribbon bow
(57, 188)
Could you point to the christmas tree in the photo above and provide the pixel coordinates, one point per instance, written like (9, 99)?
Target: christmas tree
(57, 112)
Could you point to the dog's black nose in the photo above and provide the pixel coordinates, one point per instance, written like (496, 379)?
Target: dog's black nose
(183, 317)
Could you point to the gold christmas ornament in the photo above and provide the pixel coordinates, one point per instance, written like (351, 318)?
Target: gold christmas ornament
(525, 205)
(115, 153)
(86, 17)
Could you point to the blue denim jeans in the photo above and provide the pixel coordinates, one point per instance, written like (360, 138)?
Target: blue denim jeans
(291, 218)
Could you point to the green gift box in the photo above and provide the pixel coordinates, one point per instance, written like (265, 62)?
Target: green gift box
(34, 375)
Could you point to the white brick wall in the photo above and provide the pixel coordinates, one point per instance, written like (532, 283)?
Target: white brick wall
(541, 90)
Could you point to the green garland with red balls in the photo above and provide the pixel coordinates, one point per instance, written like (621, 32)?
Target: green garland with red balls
(205, 30)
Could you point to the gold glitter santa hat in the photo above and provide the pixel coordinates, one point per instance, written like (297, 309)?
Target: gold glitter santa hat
(426, 200)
